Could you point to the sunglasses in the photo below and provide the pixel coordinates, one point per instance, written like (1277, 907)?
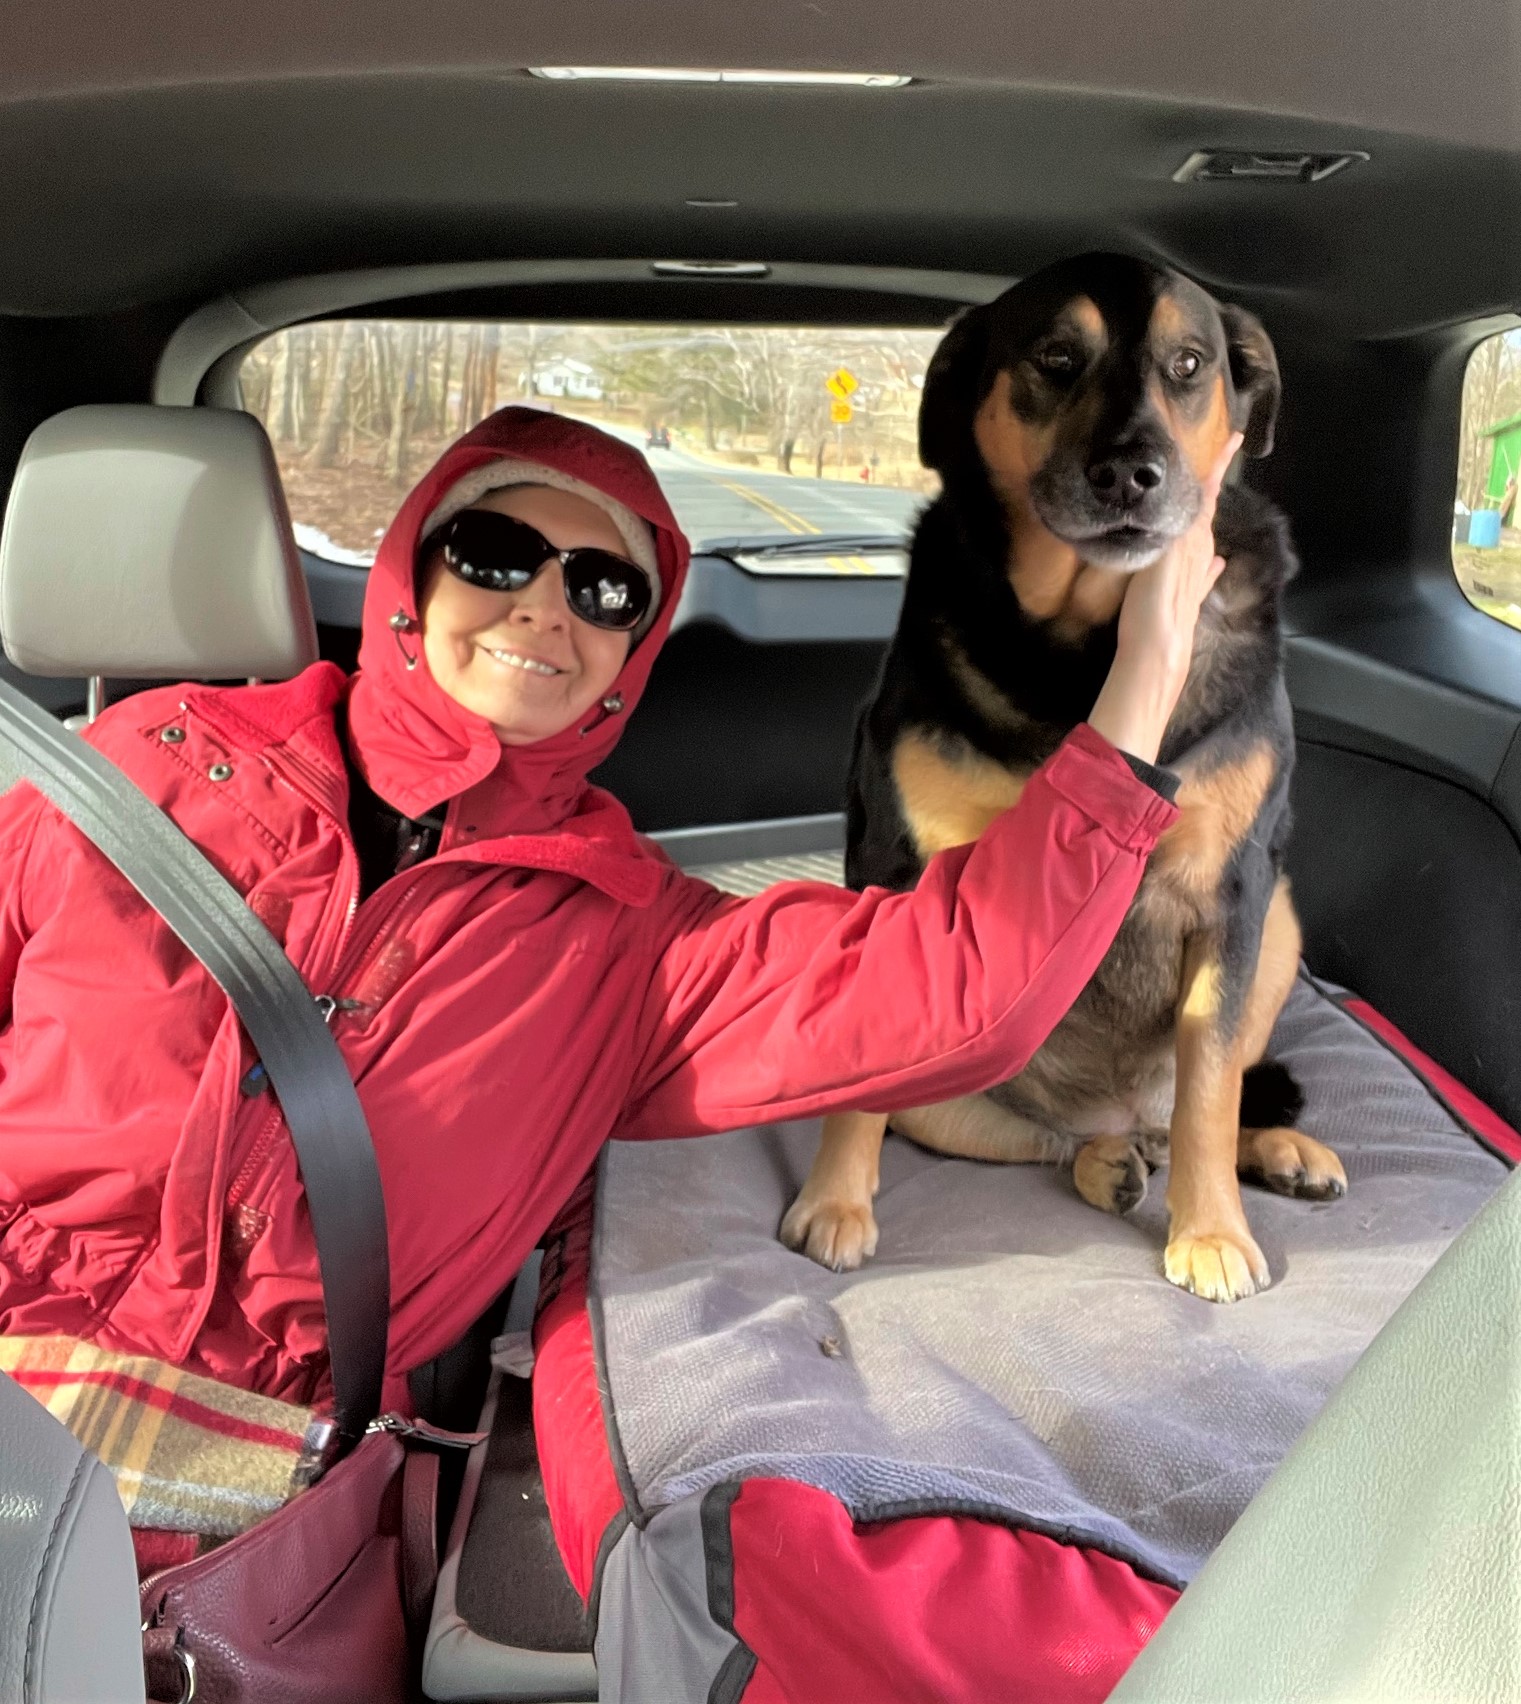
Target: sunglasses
(504, 554)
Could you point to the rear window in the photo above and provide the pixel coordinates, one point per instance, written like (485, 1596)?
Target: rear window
(1486, 527)
(791, 447)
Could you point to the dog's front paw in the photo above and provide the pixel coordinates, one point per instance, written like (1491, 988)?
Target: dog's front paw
(1220, 1268)
(836, 1233)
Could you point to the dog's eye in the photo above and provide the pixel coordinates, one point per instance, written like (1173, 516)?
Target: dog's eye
(1186, 364)
(1057, 359)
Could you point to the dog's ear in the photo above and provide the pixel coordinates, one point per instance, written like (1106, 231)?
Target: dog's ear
(1254, 372)
(953, 388)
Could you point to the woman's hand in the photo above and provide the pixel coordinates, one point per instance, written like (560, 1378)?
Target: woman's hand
(1156, 635)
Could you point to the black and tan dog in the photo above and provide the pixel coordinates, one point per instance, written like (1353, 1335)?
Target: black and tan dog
(1073, 422)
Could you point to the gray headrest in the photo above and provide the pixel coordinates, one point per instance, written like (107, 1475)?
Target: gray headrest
(152, 543)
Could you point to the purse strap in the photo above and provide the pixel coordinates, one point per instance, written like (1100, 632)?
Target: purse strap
(283, 1019)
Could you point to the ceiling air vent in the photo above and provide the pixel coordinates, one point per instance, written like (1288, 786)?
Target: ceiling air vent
(1236, 165)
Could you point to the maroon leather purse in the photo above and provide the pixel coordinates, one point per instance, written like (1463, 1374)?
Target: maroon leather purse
(327, 1600)
(322, 1603)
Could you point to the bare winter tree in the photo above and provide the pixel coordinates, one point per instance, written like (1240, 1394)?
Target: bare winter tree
(403, 406)
(333, 414)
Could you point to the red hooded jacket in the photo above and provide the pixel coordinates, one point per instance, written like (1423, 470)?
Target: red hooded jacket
(546, 981)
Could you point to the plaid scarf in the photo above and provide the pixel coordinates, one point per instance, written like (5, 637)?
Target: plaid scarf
(188, 1455)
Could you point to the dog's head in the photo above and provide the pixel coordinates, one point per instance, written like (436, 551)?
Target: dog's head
(1094, 397)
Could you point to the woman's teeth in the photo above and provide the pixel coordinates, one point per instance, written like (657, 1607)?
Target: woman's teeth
(514, 661)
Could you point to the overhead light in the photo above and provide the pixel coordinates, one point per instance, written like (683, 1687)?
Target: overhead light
(710, 269)
(673, 74)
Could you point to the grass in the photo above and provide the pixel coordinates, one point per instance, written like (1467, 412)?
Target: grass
(1491, 579)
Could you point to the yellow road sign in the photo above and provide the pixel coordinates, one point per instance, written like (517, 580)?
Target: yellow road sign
(842, 383)
(840, 412)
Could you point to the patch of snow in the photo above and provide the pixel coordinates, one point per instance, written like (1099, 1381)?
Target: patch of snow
(317, 543)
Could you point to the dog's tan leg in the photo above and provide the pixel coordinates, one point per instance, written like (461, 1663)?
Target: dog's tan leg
(1210, 1249)
(1277, 966)
(831, 1221)
(976, 1128)
(1284, 1160)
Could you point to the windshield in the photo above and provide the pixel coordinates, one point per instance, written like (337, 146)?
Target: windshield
(792, 448)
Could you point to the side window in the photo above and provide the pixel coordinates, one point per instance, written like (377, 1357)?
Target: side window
(1486, 525)
(791, 449)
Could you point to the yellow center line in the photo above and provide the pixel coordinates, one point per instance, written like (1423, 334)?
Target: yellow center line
(793, 523)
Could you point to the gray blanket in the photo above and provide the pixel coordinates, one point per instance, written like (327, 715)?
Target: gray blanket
(1010, 1352)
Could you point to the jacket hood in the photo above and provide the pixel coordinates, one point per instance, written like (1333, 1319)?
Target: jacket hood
(418, 748)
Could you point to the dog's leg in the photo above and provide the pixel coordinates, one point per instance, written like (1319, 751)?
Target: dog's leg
(1210, 1249)
(831, 1221)
(1282, 1159)
(976, 1128)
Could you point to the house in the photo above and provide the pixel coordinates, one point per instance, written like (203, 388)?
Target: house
(564, 377)
(1504, 459)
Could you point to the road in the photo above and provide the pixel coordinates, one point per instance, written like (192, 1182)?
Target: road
(722, 502)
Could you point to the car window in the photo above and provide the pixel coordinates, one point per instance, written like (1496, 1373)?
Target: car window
(791, 448)
(1486, 525)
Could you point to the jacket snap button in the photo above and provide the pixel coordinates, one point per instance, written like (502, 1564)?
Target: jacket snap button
(220, 772)
(172, 736)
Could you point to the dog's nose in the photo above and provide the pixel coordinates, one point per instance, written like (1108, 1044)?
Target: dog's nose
(1126, 476)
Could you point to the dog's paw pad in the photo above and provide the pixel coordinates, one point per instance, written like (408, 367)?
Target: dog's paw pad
(837, 1234)
(1111, 1175)
(1291, 1163)
(1217, 1268)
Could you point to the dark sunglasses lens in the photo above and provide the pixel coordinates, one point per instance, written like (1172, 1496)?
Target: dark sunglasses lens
(495, 551)
(606, 590)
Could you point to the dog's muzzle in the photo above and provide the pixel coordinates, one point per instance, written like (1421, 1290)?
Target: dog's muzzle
(1120, 509)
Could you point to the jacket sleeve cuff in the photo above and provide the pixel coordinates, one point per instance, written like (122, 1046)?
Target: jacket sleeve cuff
(1098, 779)
(1159, 779)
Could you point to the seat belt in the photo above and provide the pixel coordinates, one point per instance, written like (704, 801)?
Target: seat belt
(280, 1013)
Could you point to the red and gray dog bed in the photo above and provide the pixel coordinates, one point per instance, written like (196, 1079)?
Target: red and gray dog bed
(983, 1466)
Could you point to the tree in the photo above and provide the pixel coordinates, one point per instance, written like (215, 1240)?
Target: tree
(333, 415)
(403, 406)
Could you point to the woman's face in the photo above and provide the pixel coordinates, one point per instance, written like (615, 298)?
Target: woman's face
(522, 659)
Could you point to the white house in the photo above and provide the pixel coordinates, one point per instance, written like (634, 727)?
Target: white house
(564, 377)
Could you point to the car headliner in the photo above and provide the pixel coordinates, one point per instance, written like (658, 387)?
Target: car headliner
(150, 153)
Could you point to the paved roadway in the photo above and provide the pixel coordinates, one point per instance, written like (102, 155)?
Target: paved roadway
(722, 502)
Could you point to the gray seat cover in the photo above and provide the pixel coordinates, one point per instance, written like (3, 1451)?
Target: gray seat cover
(1009, 1351)
(1382, 1562)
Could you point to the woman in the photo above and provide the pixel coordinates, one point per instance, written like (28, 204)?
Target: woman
(518, 976)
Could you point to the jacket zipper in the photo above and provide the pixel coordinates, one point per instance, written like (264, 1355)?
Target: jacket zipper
(342, 960)
(256, 1080)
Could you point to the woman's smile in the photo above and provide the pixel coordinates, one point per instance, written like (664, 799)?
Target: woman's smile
(520, 660)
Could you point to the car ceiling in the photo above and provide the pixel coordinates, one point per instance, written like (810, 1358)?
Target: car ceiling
(154, 154)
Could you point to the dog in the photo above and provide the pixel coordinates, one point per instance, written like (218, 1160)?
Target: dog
(1072, 422)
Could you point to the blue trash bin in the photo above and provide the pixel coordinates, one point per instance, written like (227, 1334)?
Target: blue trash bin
(1484, 529)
